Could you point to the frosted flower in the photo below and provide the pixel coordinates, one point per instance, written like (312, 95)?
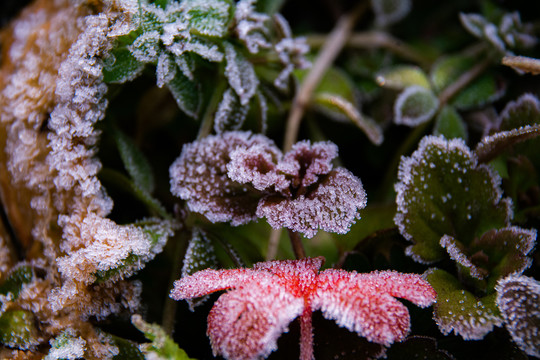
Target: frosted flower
(199, 176)
(239, 177)
(246, 322)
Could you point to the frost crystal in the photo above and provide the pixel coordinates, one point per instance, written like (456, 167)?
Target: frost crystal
(246, 321)
(518, 298)
(230, 114)
(250, 26)
(238, 177)
(240, 74)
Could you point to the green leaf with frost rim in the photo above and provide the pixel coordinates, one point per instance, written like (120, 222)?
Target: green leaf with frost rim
(414, 106)
(15, 281)
(187, 94)
(518, 298)
(121, 66)
(161, 346)
(478, 93)
(443, 191)
(525, 111)
(459, 310)
(240, 74)
(200, 255)
(209, 18)
(450, 124)
(402, 76)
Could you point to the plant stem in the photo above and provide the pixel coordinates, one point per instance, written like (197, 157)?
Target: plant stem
(208, 118)
(306, 334)
(273, 244)
(328, 53)
(297, 246)
(461, 82)
(169, 308)
(376, 39)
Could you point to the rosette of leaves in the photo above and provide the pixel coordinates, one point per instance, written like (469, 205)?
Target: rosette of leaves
(419, 98)
(502, 33)
(451, 207)
(184, 39)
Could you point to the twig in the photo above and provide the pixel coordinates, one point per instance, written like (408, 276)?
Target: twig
(208, 117)
(331, 48)
(461, 82)
(273, 244)
(376, 39)
(169, 308)
(297, 246)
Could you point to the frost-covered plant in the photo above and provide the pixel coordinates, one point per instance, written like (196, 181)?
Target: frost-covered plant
(246, 322)
(238, 177)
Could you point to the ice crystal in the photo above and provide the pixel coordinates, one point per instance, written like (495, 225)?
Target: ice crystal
(67, 346)
(246, 321)
(230, 114)
(250, 26)
(238, 177)
(518, 298)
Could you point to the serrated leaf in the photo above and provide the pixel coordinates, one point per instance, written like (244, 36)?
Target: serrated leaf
(493, 145)
(460, 311)
(240, 74)
(450, 124)
(230, 114)
(209, 18)
(518, 298)
(17, 329)
(200, 255)
(339, 108)
(186, 93)
(414, 106)
(135, 162)
(481, 91)
(161, 346)
(402, 76)
(521, 112)
(121, 66)
(388, 12)
(16, 279)
(443, 191)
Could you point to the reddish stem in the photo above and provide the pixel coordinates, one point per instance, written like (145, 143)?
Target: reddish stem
(306, 335)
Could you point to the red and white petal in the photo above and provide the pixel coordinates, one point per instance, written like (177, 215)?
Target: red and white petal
(245, 323)
(208, 281)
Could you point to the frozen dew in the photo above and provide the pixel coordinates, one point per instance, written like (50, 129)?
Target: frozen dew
(518, 298)
(240, 74)
(246, 321)
(230, 114)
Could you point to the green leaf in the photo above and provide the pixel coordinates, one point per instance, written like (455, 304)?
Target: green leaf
(186, 93)
(388, 12)
(443, 191)
(402, 76)
(240, 74)
(161, 346)
(522, 112)
(127, 350)
(208, 18)
(339, 108)
(200, 255)
(134, 161)
(121, 66)
(17, 329)
(459, 310)
(493, 145)
(16, 279)
(414, 106)
(450, 124)
(447, 69)
(230, 114)
(481, 91)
